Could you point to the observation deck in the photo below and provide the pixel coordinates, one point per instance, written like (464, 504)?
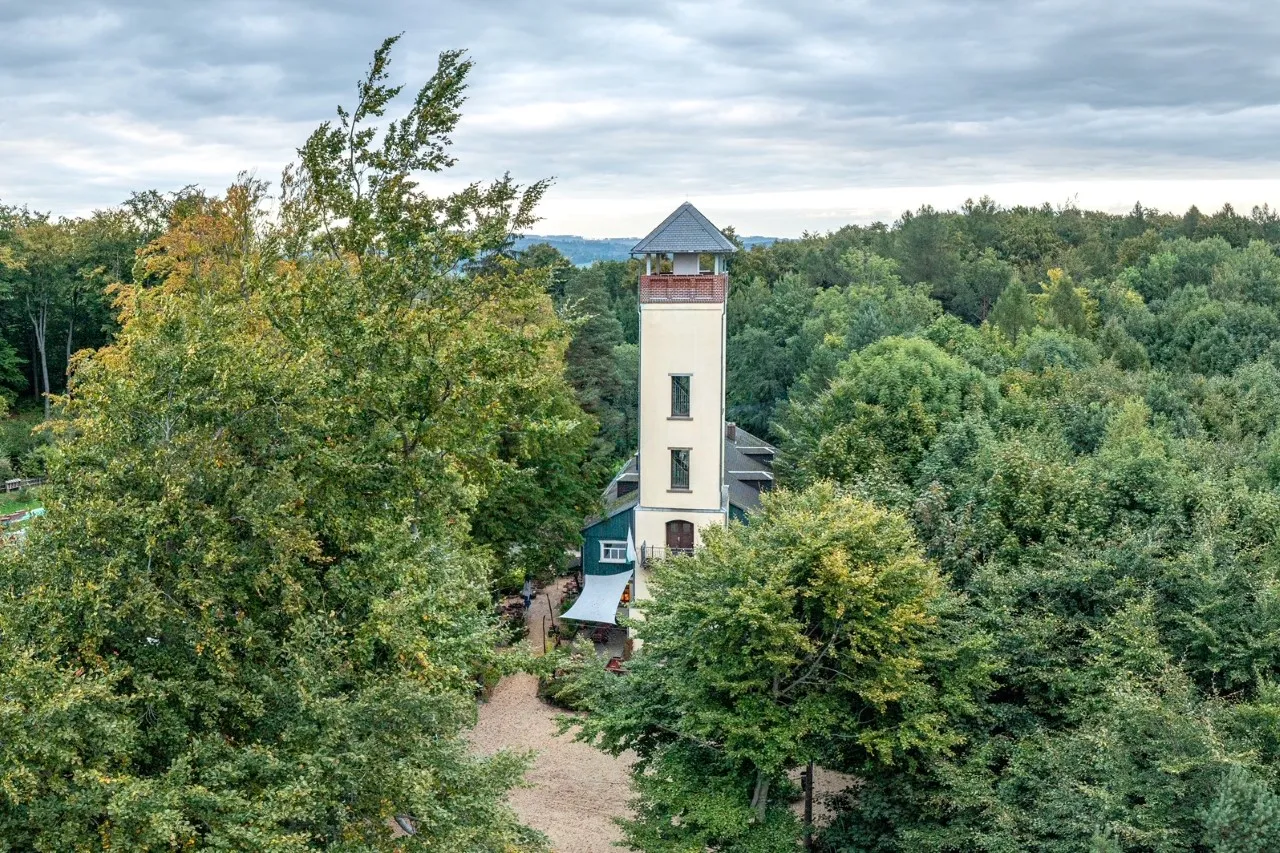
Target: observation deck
(705, 287)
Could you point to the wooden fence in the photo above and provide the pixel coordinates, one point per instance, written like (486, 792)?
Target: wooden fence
(17, 484)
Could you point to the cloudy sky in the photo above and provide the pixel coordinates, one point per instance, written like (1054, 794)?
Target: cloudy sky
(776, 117)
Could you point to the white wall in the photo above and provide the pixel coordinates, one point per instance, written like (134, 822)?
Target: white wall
(681, 338)
(683, 264)
(651, 529)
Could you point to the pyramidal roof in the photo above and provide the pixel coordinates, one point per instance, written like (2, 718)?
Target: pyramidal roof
(686, 230)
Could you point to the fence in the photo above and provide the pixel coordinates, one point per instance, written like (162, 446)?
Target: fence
(18, 484)
(651, 553)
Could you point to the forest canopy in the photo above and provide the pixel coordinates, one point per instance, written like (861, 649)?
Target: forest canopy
(1076, 413)
(294, 455)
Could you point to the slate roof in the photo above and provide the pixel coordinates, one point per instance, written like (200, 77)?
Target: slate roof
(748, 467)
(686, 230)
(614, 504)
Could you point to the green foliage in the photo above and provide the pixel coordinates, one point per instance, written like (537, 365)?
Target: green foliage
(983, 282)
(255, 617)
(1245, 817)
(1014, 313)
(591, 368)
(1045, 349)
(21, 442)
(316, 440)
(812, 632)
(882, 411)
(567, 684)
(1094, 467)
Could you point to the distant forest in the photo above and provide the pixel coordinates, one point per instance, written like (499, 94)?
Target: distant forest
(1070, 418)
(581, 251)
(1079, 415)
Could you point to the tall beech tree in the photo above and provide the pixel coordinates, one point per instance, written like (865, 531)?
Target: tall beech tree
(254, 614)
(814, 632)
(44, 278)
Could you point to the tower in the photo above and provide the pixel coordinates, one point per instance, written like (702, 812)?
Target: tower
(682, 374)
(692, 469)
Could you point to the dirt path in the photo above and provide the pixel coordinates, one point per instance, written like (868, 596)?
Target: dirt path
(576, 790)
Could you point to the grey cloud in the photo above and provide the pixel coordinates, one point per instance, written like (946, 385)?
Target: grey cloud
(97, 99)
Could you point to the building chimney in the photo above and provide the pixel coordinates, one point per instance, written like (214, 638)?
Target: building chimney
(731, 430)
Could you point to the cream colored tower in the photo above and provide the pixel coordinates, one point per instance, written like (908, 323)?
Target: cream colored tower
(682, 371)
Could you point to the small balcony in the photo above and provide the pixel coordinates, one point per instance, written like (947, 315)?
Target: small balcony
(652, 553)
(705, 287)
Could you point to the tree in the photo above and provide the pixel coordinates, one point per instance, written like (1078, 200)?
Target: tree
(882, 411)
(1066, 305)
(1014, 313)
(591, 367)
(925, 249)
(981, 283)
(254, 616)
(774, 642)
(1245, 817)
(44, 279)
(531, 516)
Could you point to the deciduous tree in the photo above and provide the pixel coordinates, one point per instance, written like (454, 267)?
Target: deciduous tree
(254, 615)
(803, 635)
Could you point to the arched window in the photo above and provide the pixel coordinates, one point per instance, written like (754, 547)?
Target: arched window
(679, 537)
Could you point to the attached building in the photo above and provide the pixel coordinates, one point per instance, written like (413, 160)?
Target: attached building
(693, 469)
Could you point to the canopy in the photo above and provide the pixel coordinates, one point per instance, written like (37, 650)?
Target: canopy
(599, 599)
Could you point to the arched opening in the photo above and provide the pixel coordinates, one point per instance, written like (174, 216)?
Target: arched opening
(679, 537)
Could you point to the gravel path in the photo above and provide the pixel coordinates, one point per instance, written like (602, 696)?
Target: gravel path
(575, 790)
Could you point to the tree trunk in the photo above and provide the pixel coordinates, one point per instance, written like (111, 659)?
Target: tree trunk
(44, 373)
(35, 368)
(39, 316)
(808, 807)
(71, 325)
(760, 797)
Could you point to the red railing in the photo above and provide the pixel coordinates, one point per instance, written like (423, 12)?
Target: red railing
(682, 288)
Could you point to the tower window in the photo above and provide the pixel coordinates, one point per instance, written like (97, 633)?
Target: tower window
(680, 468)
(680, 396)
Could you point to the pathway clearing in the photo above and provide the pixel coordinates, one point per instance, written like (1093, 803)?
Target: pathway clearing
(576, 790)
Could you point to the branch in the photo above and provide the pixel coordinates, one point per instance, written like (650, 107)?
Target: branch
(816, 661)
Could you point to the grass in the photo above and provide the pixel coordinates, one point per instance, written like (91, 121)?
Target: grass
(19, 502)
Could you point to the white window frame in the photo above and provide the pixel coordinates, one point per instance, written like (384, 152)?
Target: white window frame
(613, 545)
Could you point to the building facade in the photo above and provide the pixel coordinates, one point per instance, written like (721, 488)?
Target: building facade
(692, 469)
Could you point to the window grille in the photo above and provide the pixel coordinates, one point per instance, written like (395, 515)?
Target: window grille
(680, 468)
(679, 396)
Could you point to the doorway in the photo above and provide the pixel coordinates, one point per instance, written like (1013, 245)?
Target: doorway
(679, 537)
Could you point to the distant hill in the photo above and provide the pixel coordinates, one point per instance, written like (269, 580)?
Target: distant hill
(582, 251)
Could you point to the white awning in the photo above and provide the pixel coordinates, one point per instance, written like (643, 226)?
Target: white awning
(599, 599)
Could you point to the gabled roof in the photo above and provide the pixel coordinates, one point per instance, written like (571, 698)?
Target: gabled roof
(748, 465)
(613, 502)
(686, 230)
(747, 459)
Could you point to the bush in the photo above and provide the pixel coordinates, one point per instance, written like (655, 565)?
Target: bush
(20, 440)
(565, 687)
(512, 629)
(488, 679)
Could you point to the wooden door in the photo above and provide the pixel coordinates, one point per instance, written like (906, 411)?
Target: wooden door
(680, 536)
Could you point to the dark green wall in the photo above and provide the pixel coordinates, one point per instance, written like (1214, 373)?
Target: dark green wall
(610, 528)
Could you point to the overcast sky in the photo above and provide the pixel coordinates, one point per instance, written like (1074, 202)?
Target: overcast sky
(776, 117)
